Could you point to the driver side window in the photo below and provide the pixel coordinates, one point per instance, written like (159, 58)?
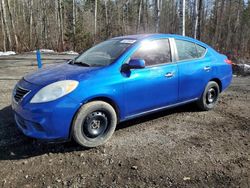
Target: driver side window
(154, 52)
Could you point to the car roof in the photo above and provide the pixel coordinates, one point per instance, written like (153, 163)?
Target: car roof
(140, 37)
(145, 36)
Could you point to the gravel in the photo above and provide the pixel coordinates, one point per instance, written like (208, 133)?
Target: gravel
(180, 147)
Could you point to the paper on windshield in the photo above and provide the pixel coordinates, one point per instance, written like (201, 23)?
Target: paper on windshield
(128, 41)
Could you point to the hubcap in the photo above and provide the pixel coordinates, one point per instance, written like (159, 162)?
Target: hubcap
(211, 95)
(95, 124)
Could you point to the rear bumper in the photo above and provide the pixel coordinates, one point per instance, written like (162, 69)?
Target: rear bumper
(226, 81)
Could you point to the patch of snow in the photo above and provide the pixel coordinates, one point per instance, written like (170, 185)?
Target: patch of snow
(52, 51)
(70, 53)
(7, 53)
(45, 51)
(242, 69)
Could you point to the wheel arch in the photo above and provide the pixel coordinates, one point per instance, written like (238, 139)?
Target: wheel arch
(218, 81)
(109, 101)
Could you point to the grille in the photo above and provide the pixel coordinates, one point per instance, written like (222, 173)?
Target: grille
(19, 93)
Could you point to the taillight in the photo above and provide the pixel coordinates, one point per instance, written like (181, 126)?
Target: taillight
(228, 61)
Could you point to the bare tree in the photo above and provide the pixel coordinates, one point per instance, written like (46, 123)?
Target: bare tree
(30, 23)
(5, 25)
(157, 15)
(195, 18)
(199, 20)
(77, 24)
(74, 22)
(139, 16)
(61, 26)
(182, 13)
(95, 24)
(219, 15)
(184, 18)
(12, 24)
(3, 31)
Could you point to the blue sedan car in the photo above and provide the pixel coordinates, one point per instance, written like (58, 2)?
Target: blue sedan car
(116, 80)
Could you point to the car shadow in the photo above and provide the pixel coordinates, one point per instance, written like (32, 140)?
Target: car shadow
(191, 107)
(14, 145)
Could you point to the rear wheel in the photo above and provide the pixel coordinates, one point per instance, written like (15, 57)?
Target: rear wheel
(209, 97)
(94, 124)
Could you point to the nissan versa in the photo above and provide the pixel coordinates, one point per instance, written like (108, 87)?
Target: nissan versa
(116, 80)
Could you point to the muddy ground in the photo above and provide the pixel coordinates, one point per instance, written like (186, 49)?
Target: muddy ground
(180, 147)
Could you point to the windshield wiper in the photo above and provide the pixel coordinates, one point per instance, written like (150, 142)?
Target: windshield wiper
(80, 63)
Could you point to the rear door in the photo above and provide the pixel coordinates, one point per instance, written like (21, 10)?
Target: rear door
(194, 66)
(154, 86)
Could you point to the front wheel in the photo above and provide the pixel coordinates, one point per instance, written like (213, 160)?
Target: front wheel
(94, 124)
(209, 97)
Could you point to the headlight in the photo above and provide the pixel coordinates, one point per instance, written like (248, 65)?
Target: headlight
(54, 91)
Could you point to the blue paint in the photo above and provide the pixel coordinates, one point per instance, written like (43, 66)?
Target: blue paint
(135, 93)
(39, 60)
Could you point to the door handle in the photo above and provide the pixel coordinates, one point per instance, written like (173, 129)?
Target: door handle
(207, 68)
(169, 74)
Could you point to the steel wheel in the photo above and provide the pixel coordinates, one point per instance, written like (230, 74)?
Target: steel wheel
(212, 95)
(209, 97)
(95, 124)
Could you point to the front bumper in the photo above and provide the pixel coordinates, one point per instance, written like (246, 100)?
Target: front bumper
(47, 121)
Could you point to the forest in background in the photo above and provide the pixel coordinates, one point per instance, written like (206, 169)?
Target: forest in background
(77, 24)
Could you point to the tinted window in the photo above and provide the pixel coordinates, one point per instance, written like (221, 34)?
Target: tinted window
(154, 52)
(188, 50)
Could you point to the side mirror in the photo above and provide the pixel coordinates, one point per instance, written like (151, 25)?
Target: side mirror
(133, 64)
(136, 64)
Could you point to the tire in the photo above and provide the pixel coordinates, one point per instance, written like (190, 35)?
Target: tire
(209, 97)
(94, 124)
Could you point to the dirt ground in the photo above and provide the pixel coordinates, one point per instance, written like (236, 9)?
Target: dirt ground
(180, 147)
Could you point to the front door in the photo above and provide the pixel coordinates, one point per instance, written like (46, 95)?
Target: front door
(154, 86)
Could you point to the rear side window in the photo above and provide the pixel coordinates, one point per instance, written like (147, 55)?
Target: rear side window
(201, 50)
(189, 50)
(154, 52)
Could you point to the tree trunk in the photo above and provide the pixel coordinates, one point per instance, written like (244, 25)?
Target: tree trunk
(12, 24)
(139, 16)
(229, 30)
(184, 18)
(118, 18)
(95, 24)
(6, 27)
(45, 25)
(61, 40)
(195, 18)
(57, 26)
(106, 19)
(23, 8)
(2, 26)
(147, 16)
(237, 24)
(31, 25)
(199, 20)
(143, 16)
(157, 15)
(182, 13)
(217, 33)
(74, 23)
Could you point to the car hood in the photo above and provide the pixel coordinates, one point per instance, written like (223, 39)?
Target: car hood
(64, 71)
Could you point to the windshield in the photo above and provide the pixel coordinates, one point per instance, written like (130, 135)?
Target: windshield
(104, 53)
